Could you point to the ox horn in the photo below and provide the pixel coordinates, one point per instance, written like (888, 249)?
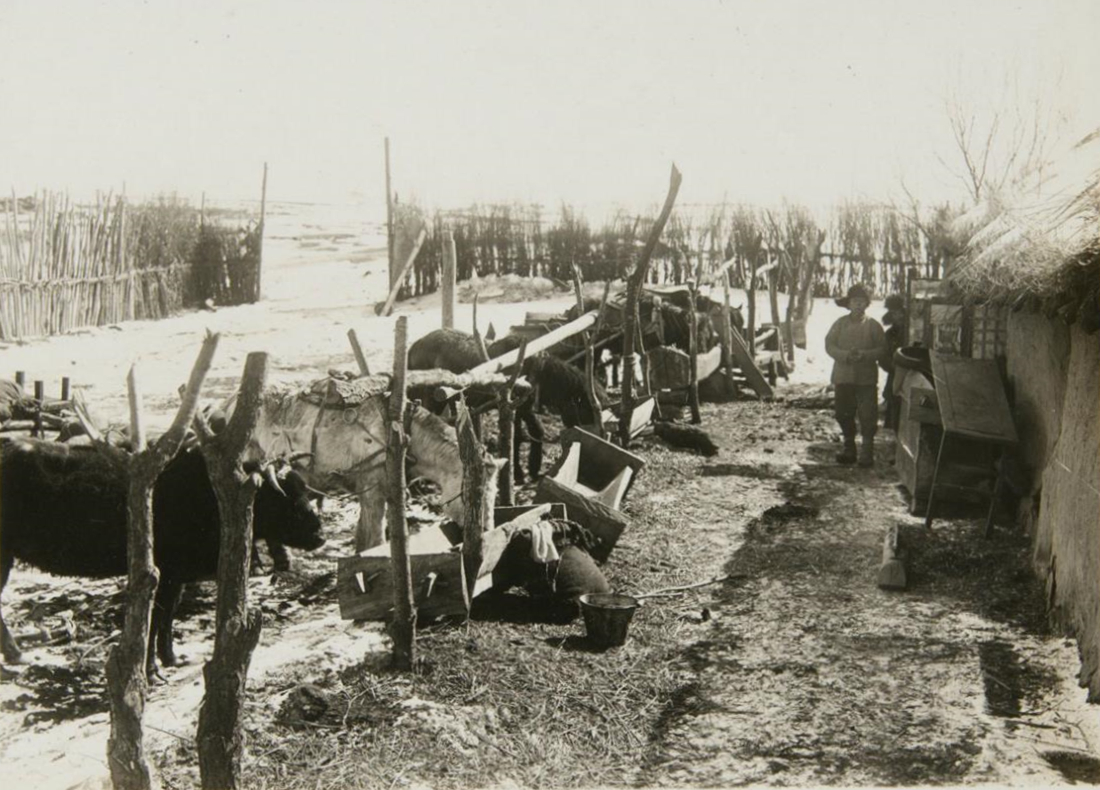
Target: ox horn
(269, 475)
(298, 456)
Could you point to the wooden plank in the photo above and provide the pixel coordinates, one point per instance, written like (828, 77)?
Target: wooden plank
(642, 416)
(387, 307)
(538, 344)
(748, 367)
(604, 523)
(365, 586)
(601, 460)
(972, 399)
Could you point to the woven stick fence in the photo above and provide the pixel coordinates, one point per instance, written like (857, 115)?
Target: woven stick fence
(63, 267)
(855, 242)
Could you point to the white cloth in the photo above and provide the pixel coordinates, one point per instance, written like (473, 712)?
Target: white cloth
(542, 543)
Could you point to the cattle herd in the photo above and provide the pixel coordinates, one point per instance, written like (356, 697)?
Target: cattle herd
(64, 505)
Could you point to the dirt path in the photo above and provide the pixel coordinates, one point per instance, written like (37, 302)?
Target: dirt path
(812, 675)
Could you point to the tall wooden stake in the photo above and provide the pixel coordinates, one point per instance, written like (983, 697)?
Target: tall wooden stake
(589, 358)
(389, 217)
(360, 357)
(237, 627)
(448, 285)
(751, 296)
(126, 665)
(506, 413)
(727, 335)
(773, 299)
(260, 246)
(403, 629)
(630, 313)
(693, 356)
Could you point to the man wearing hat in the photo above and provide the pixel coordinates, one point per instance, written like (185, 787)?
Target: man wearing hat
(856, 342)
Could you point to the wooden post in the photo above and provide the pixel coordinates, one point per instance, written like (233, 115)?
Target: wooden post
(389, 217)
(630, 313)
(506, 421)
(403, 629)
(477, 512)
(589, 355)
(360, 358)
(260, 248)
(507, 426)
(750, 294)
(65, 388)
(693, 356)
(126, 667)
(131, 283)
(773, 300)
(727, 335)
(237, 628)
(39, 402)
(448, 285)
(21, 378)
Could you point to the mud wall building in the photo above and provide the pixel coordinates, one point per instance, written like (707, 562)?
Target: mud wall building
(1054, 373)
(1037, 255)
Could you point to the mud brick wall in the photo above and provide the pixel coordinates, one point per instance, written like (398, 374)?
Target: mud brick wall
(1055, 372)
(1038, 362)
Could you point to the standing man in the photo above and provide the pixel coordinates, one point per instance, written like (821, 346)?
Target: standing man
(856, 342)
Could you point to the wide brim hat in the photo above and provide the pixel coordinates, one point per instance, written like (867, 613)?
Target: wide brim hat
(856, 290)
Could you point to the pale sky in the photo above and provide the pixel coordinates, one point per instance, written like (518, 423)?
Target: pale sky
(587, 102)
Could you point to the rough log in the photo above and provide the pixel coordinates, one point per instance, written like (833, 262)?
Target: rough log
(237, 628)
(126, 665)
(403, 628)
(630, 316)
(477, 468)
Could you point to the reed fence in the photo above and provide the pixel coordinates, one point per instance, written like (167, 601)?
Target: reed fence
(854, 242)
(64, 266)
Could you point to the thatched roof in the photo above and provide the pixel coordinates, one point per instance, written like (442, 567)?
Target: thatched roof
(1040, 247)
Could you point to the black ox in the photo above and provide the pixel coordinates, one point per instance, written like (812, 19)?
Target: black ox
(64, 511)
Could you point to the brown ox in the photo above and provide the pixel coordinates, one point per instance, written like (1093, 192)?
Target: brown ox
(343, 426)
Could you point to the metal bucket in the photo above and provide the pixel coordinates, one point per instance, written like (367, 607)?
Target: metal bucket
(607, 617)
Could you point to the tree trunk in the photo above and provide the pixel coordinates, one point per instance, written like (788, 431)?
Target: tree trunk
(403, 628)
(630, 316)
(127, 682)
(126, 677)
(237, 629)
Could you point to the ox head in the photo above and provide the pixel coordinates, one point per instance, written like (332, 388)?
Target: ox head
(286, 509)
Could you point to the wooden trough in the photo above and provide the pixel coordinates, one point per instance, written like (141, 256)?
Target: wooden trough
(364, 583)
(591, 480)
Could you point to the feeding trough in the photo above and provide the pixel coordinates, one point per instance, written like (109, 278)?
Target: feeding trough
(607, 617)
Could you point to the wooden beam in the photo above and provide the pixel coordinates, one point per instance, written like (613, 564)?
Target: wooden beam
(360, 358)
(550, 339)
(387, 306)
